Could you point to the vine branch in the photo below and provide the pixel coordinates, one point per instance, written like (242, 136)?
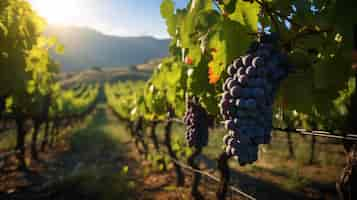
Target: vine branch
(307, 30)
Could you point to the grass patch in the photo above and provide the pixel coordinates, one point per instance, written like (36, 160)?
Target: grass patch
(94, 184)
(93, 170)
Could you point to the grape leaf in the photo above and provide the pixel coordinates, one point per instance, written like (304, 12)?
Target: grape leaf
(246, 14)
(168, 12)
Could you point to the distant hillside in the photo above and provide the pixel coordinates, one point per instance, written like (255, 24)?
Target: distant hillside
(68, 79)
(85, 48)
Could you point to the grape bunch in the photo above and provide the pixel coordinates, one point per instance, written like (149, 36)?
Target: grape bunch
(248, 97)
(196, 121)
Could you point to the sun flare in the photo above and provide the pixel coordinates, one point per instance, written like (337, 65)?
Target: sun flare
(57, 11)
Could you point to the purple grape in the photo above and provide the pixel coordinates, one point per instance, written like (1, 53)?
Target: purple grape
(244, 93)
(251, 95)
(226, 95)
(241, 71)
(258, 62)
(248, 104)
(196, 121)
(247, 60)
(243, 79)
(231, 70)
(251, 71)
(226, 138)
(261, 72)
(263, 53)
(267, 46)
(240, 103)
(231, 84)
(229, 125)
(225, 85)
(235, 91)
(238, 63)
(229, 150)
(258, 93)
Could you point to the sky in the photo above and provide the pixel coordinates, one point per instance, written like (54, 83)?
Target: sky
(112, 17)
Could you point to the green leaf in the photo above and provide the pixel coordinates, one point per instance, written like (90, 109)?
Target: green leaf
(188, 30)
(246, 14)
(125, 169)
(174, 75)
(229, 6)
(3, 29)
(59, 49)
(230, 41)
(4, 55)
(168, 12)
(303, 100)
(210, 103)
(176, 147)
(206, 20)
(31, 86)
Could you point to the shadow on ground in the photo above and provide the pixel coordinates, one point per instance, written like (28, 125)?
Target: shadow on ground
(94, 167)
(265, 190)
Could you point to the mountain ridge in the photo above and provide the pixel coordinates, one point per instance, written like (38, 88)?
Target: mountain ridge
(86, 48)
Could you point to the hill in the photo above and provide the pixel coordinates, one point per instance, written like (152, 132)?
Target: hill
(86, 48)
(68, 79)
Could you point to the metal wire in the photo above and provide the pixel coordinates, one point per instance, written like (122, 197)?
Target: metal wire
(212, 177)
(319, 133)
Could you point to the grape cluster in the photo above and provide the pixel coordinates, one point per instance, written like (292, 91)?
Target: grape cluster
(196, 121)
(247, 101)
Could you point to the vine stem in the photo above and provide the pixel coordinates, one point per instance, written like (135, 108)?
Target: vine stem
(348, 178)
(197, 176)
(155, 142)
(308, 30)
(225, 174)
(47, 132)
(180, 179)
(37, 126)
(139, 132)
(20, 146)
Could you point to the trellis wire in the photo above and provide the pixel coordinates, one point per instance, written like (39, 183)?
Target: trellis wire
(319, 133)
(212, 177)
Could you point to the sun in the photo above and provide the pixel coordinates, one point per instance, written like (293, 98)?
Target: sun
(57, 11)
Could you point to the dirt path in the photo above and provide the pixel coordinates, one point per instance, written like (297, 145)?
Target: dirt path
(102, 155)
